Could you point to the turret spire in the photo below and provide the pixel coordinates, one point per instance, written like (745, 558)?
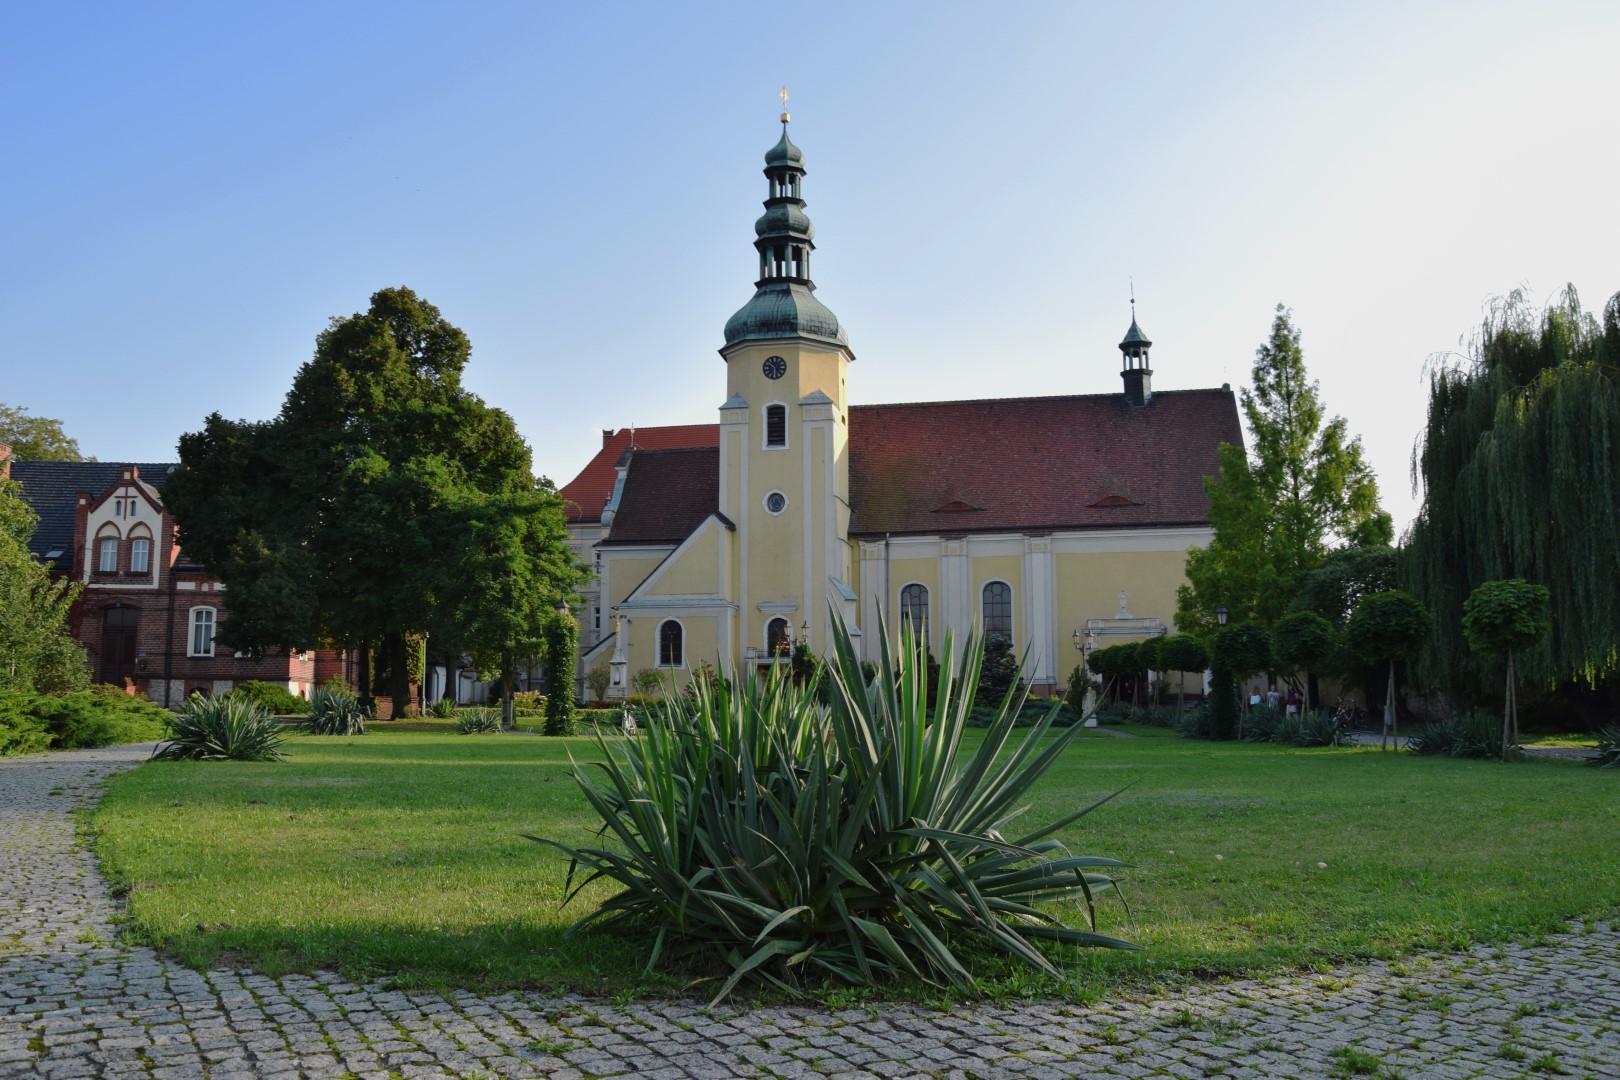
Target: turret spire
(783, 305)
(1136, 373)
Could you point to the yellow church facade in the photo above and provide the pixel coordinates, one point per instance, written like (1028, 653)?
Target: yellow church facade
(1062, 522)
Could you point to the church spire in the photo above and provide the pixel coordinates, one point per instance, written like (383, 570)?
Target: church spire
(1136, 373)
(782, 306)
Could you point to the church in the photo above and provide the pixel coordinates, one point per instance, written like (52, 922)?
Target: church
(1062, 522)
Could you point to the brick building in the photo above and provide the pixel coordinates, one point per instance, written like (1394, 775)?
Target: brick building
(147, 615)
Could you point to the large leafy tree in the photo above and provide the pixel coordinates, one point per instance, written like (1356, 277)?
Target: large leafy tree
(35, 438)
(37, 649)
(1306, 490)
(384, 501)
(1520, 472)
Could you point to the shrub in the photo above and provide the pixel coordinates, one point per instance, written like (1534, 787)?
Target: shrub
(335, 711)
(478, 721)
(1312, 729)
(443, 709)
(276, 699)
(1473, 736)
(649, 682)
(1195, 723)
(1265, 723)
(859, 842)
(596, 681)
(530, 705)
(222, 729)
(1608, 751)
(101, 716)
(1167, 717)
(21, 732)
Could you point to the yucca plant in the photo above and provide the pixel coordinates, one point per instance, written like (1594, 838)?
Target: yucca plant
(1608, 751)
(334, 710)
(223, 729)
(478, 721)
(443, 709)
(857, 840)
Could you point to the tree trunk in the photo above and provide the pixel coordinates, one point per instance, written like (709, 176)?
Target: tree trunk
(1507, 709)
(1389, 734)
(366, 699)
(399, 675)
(508, 709)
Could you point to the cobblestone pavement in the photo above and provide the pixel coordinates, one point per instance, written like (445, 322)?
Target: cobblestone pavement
(73, 1004)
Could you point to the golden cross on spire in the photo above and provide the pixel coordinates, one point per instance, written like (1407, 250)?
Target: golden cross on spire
(784, 96)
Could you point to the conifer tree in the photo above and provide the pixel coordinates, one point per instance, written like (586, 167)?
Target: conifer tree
(1307, 488)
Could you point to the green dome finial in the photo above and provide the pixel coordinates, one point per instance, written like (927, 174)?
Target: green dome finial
(783, 305)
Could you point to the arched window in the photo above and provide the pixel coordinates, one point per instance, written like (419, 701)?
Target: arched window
(107, 555)
(671, 644)
(140, 555)
(914, 610)
(778, 637)
(201, 640)
(998, 609)
(776, 425)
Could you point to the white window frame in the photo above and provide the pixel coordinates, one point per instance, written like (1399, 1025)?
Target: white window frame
(765, 426)
(928, 611)
(145, 548)
(765, 502)
(1012, 608)
(194, 622)
(658, 646)
(107, 546)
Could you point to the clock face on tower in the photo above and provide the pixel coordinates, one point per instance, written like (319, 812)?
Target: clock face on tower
(775, 367)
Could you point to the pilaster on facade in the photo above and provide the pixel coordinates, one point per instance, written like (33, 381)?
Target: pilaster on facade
(874, 557)
(1040, 619)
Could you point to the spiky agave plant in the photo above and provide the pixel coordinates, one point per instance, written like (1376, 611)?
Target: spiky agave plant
(478, 721)
(222, 728)
(334, 711)
(858, 840)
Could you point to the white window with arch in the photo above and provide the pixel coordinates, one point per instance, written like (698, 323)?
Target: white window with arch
(778, 638)
(914, 610)
(671, 644)
(107, 555)
(776, 434)
(140, 555)
(201, 639)
(996, 609)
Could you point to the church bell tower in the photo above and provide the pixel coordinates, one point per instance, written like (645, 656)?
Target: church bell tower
(784, 430)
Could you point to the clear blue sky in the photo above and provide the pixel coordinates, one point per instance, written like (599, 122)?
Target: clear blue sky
(191, 191)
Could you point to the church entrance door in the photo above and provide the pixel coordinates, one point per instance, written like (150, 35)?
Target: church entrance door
(118, 644)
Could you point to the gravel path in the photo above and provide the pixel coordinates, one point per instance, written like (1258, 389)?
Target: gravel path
(73, 1003)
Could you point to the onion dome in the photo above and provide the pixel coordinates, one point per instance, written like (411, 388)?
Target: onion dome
(784, 305)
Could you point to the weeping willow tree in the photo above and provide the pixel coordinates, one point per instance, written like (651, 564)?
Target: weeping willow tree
(1520, 473)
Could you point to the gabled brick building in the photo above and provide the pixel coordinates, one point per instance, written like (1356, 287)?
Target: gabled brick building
(147, 615)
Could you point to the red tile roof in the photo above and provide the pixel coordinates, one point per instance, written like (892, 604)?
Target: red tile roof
(1081, 462)
(586, 494)
(667, 494)
(1025, 464)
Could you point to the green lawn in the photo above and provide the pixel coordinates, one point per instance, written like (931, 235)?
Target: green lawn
(400, 854)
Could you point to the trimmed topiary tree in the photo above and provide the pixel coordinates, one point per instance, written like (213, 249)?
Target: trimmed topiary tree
(1386, 627)
(1183, 653)
(561, 643)
(1501, 618)
(1303, 640)
(1236, 652)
